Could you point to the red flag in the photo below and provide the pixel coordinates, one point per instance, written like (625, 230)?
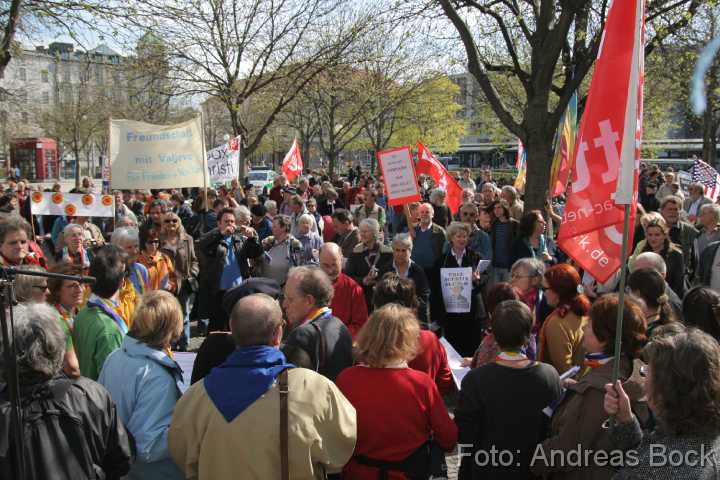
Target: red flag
(234, 144)
(292, 163)
(428, 164)
(608, 143)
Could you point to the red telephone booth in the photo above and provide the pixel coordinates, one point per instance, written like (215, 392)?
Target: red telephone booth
(36, 157)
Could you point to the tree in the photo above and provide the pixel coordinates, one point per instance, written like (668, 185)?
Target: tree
(548, 47)
(236, 50)
(80, 112)
(430, 117)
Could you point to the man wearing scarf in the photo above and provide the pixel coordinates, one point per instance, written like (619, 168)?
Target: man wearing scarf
(317, 340)
(214, 421)
(98, 330)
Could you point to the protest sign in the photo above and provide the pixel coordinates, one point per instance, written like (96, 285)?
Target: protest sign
(456, 286)
(72, 204)
(685, 179)
(223, 163)
(398, 174)
(147, 156)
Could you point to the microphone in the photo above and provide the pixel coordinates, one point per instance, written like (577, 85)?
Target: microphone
(12, 271)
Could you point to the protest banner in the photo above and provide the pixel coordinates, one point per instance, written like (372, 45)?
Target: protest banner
(429, 164)
(456, 286)
(72, 204)
(398, 174)
(223, 163)
(147, 156)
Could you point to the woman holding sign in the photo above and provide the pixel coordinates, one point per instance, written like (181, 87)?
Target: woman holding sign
(459, 279)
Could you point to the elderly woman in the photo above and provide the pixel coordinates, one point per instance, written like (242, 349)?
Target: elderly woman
(560, 341)
(180, 247)
(282, 252)
(577, 422)
(526, 277)
(463, 317)
(431, 357)
(311, 241)
(161, 271)
(531, 241)
(441, 212)
(370, 259)
(657, 240)
(67, 296)
(143, 380)
(682, 382)
(70, 426)
(137, 280)
(410, 411)
(73, 251)
(403, 265)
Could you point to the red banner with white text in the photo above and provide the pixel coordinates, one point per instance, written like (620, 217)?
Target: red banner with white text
(608, 143)
(292, 164)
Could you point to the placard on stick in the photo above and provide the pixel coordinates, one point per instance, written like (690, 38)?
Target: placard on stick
(398, 174)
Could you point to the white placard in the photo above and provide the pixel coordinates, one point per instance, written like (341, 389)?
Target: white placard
(454, 362)
(223, 164)
(456, 286)
(483, 265)
(72, 204)
(398, 174)
(145, 156)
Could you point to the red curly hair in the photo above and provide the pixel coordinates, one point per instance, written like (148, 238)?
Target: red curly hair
(564, 280)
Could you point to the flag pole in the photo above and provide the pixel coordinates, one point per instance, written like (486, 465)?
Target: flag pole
(621, 299)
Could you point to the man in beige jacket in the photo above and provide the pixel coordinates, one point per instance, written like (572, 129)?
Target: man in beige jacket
(228, 425)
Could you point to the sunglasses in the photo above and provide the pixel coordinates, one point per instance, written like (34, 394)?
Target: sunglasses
(157, 241)
(172, 220)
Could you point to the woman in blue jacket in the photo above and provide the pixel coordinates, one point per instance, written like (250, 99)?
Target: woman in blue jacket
(143, 381)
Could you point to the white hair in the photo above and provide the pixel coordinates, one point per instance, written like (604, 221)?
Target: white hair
(372, 224)
(270, 205)
(123, 235)
(306, 217)
(652, 260)
(437, 193)
(71, 226)
(403, 240)
(242, 213)
(715, 210)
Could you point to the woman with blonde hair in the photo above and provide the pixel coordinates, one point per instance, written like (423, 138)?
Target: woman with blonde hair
(394, 427)
(657, 240)
(143, 379)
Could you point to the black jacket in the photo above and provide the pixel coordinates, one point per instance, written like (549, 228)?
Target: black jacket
(323, 345)
(71, 431)
(324, 209)
(212, 259)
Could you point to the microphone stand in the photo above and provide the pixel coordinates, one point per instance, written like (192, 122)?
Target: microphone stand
(7, 330)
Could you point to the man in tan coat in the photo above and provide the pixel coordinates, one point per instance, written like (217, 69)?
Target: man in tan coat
(227, 426)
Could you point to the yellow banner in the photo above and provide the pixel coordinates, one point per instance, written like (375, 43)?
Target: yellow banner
(144, 156)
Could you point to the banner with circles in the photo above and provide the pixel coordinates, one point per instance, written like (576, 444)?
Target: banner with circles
(72, 204)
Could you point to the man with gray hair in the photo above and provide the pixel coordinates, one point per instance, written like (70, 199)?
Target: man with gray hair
(69, 425)
(655, 262)
(208, 436)
(710, 231)
(681, 233)
(510, 195)
(316, 335)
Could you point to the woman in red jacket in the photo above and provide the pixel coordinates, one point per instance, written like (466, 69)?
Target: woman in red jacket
(431, 357)
(399, 409)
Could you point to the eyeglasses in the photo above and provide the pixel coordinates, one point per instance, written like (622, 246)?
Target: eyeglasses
(156, 240)
(171, 220)
(42, 288)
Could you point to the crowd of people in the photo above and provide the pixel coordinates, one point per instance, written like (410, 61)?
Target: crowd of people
(322, 313)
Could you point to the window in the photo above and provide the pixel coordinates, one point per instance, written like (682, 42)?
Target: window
(44, 76)
(22, 74)
(45, 98)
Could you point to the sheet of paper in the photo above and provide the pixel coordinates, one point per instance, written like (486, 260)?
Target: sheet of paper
(454, 362)
(483, 265)
(186, 361)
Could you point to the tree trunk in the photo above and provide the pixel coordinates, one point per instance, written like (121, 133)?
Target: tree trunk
(539, 159)
(710, 125)
(332, 161)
